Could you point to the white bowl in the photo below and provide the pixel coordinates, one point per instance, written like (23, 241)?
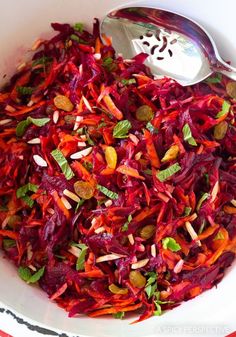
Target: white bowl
(212, 313)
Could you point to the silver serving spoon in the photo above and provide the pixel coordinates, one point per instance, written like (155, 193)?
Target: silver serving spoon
(177, 46)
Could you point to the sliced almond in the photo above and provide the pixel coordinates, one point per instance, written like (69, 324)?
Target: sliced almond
(75, 251)
(99, 230)
(140, 264)
(39, 160)
(131, 239)
(66, 203)
(34, 141)
(5, 121)
(153, 250)
(55, 116)
(215, 191)
(10, 108)
(82, 153)
(179, 266)
(109, 257)
(86, 103)
(108, 203)
(71, 195)
(192, 233)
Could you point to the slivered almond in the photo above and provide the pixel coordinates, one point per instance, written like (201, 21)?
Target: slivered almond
(5, 121)
(71, 195)
(133, 138)
(138, 155)
(75, 251)
(32, 267)
(29, 251)
(93, 222)
(109, 257)
(81, 144)
(82, 153)
(78, 119)
(55, 116)
(39, 160)
(34, 141)
(192, 233)
(108, 203)
(30, 103)
(215, 191)
(50, 210)
(10, 108)
(86, 103)
(140, 264)
(66, 203)
(99, 230)
(131, 239)
(153, 250)
(233, 202)
(97, 56)
(178, 267)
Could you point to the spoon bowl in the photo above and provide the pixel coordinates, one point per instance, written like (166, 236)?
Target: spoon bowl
(177, 47)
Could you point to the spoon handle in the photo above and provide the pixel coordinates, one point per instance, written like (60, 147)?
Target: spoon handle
(226, 69)
(229, 73)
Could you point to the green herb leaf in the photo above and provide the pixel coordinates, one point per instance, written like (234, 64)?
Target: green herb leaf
(225, 109)
(39, 121)
(22, 126)
(75, 38)
(187, 211)
(35, 277)
(9, 243)
(128, 82)
(80, 203)
(81, 259)
(126, 224)
(28, 201)
(214, 79)
(107, 192)
(121, 129)
(23, 190)
(167, 173)
(42, 60)
(148, 171)
(202, 227)
(151, 285)
(151, 128)
(219, 236)
(158, 310)
(152, 277)
(150, 289)
(79, 27)
(188, 135)
(109, 64)
(171, 244)
(101, 125)
(80, 131)
(24, 90)
(24, 273)
(119, 315)
(62, 162)
(203, 198)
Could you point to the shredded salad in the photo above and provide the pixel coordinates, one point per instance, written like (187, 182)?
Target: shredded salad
(118, 191)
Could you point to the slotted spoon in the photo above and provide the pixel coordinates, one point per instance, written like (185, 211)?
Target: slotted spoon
(177, 46)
